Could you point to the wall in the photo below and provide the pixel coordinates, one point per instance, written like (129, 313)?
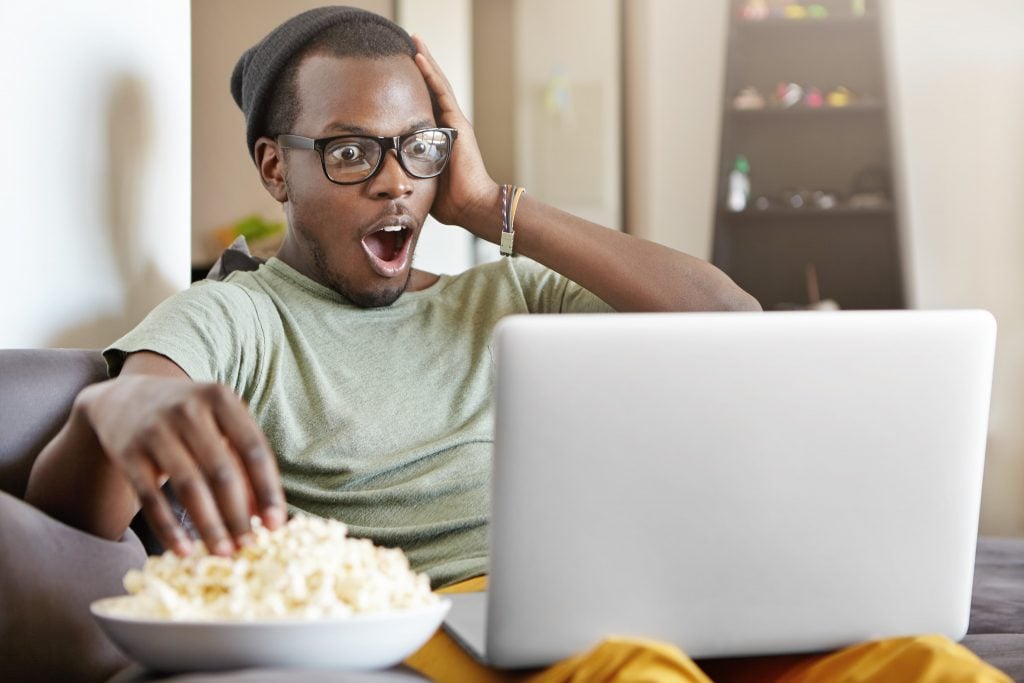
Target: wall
(493, 103)
(958, 74)
(674, 73)
(567, 111)
(96, 183)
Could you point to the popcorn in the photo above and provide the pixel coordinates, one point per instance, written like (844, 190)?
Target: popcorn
(307, 569)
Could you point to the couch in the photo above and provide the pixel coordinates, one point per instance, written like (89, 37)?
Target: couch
(46, 632)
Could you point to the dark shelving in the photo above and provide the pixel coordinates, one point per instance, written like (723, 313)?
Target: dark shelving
(872, 108)
(751, 215)
(867, 22)
(841, 151)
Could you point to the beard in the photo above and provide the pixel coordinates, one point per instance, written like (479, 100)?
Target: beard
(340, 284)
(330, 276)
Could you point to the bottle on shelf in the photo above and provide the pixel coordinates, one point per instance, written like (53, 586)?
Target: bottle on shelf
(739, 185)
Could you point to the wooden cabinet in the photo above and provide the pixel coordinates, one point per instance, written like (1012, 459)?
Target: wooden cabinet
(806, 107)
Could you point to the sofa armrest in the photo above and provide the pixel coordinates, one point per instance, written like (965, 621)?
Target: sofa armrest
(37, 389)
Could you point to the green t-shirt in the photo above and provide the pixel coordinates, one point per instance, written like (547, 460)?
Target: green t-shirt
(381, 418)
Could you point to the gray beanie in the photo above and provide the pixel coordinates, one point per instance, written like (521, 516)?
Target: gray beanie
(255, 75)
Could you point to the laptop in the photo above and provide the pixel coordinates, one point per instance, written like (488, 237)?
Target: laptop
(733, 484)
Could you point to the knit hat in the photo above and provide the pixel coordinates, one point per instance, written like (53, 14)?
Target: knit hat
(255, 75)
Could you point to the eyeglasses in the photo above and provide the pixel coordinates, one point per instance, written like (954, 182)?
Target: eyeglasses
(352, 159)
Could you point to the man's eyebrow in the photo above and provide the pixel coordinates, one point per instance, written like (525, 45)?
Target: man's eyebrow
(359, 130)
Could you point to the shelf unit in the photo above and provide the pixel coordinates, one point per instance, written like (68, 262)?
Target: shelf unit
(853, 247)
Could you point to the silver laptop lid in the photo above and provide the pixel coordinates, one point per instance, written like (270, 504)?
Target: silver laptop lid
(735, 483)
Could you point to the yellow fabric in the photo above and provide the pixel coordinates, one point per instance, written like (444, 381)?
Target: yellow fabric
(475, 585)
(627, 660)
(923, 659)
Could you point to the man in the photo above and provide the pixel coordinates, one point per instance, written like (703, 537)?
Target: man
(338, 377)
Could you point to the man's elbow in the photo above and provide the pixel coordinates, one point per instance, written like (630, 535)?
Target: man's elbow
(726, 299)
(729, 296)
(739, 301)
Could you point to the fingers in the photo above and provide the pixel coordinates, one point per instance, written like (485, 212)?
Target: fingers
(223, 474)
(216, 460)
(145, 480)
(256, 458)
(167, 449)
(432, 66)
(437, 82)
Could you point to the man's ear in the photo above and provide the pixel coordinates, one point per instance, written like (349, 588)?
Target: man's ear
(270, 162)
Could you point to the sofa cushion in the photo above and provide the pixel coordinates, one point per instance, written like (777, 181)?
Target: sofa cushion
(1002, 650)
(235, 257)
(997, 602)
(996, 633)
(50, 573)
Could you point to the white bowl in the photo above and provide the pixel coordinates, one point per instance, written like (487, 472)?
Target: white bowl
(361, 642)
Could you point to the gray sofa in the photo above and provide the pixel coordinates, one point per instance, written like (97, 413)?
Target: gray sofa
(46, 632)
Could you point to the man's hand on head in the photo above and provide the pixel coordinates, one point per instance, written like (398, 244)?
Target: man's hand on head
(627, 273)
(198, 437)
(466, 194)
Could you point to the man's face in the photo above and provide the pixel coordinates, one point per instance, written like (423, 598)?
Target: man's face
(337, 234)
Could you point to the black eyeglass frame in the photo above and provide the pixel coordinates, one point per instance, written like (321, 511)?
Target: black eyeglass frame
(386, 142)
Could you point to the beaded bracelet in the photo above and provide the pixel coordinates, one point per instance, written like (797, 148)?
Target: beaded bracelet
(510, 195)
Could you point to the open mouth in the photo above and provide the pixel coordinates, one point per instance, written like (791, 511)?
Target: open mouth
(388, 249)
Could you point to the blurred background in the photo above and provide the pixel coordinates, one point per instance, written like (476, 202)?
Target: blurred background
(841, 153)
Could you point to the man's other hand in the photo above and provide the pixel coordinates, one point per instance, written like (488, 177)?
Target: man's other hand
(465, 191)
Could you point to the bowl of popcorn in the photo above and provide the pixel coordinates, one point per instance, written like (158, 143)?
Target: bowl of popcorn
(303, 595)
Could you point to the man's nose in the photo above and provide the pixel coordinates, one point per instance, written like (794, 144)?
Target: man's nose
(391, 181)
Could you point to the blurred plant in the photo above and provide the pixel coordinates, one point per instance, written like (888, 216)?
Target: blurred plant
(253, 228)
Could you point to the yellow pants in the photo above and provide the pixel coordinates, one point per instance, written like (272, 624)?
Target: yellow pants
(928, 659)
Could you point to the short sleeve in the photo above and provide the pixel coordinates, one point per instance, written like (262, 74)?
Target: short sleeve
(211, 331)
(549, 292)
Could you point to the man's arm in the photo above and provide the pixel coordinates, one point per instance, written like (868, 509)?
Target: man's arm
(627, 273)
(126, 437)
